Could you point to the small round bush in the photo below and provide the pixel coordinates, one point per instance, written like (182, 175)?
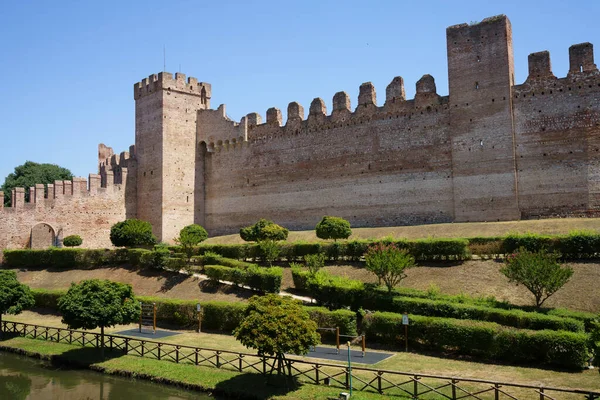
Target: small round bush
(132, 233)
(333, 228)
(72, 241)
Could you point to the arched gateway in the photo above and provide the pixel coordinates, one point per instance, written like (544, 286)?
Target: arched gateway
(42, 236)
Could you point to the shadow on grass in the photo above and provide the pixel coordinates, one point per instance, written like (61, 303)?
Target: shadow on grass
(257, 386)
(208, 286)
(86, 356)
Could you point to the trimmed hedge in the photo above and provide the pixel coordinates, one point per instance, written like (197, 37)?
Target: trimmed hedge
(481, 339)
(266, 280)
(338, 292)
(216, 315)
(515, 318)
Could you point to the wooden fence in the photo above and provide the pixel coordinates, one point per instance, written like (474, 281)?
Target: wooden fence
(390, 383)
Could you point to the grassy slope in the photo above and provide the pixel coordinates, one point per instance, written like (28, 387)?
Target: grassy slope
(144, 282)
(470, 229)
(482, 278)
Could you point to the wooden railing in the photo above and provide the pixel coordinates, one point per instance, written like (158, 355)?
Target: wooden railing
(390, 383)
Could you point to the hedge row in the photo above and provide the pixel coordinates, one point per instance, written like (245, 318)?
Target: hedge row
(74, 258)
(515, 318)
(482, 339)
(267, 280)
(216, 315)
(338, 292)
(426, 249)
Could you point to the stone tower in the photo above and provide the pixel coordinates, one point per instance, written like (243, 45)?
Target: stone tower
(481, 76)
(166, 146)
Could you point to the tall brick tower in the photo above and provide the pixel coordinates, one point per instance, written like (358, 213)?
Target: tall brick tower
(165, 138)
(480, 77)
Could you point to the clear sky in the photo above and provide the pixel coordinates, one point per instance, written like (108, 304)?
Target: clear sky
(69, 66)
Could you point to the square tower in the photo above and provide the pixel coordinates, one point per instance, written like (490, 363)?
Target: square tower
(481, 77)
(165, 139)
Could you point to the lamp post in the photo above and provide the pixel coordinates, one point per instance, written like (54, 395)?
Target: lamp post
(349, 369)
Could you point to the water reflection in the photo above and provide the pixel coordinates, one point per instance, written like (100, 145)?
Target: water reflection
(23, 378)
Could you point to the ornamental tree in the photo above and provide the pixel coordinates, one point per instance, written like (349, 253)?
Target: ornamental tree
(388, 263)
(276, 325)
(132, 233)
(96, 303)
(263, 230)
(540, 272)
(189, 237)
(333, 228)
(14, 296)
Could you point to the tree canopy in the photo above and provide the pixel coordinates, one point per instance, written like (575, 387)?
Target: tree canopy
(388, 263)
(264, 230)
(189, 237)
(96, 303)
(132, 233)
(333, 228)
(275, 325)
(14, 296)
(540, 272)
(29, 174)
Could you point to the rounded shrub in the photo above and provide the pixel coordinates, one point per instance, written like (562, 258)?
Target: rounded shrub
(72, 241)
(333, 228)
(132, 233)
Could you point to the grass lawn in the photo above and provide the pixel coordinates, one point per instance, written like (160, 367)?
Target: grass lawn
(451, 230)
(407, 362)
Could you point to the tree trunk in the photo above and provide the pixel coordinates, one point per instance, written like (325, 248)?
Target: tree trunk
(1, 329)
(102, 342)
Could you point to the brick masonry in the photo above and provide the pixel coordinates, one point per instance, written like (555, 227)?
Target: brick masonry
(490, 150)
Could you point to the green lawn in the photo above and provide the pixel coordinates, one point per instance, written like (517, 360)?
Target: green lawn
(407, 362)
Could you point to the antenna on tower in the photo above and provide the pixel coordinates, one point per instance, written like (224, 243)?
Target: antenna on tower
(164, 58)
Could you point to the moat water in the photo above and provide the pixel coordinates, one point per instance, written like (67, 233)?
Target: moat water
(23, 378)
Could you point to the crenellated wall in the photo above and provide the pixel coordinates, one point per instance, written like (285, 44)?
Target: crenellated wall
(376, 165)
(83, 207)
(490, 150)
(558, 136)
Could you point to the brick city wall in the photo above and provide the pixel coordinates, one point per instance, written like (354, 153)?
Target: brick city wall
(490, 150)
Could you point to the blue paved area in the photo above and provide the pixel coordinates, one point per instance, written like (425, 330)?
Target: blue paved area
(146, 333)
(356, 356)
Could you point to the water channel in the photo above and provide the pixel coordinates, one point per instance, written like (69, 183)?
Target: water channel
(23, 378)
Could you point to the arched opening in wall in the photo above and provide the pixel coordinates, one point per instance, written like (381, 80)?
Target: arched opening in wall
(42, 236)
(203, 96)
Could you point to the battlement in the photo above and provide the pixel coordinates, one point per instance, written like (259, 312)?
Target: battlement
(218, 131)
(179, 83)
(45, 195)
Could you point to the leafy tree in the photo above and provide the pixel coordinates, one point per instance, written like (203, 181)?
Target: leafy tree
(14, 296)
(388, 263)
(276, 325)
(189, 237)
(263, 230)
(29, 174)
(314, 262)
(96, 303)
(132, 233)
(269, 250)
(539, 272)
(333, 228)
(72, 241)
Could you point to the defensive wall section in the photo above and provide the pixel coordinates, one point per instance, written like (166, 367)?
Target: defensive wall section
(491, 150)
(42, 215)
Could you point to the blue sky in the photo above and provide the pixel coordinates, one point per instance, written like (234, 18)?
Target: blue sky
(69, 66)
